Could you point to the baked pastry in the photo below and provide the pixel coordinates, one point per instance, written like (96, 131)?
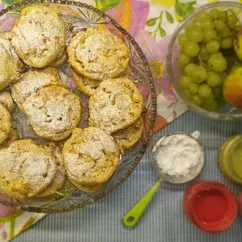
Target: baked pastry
(5, 120)
(10, 64)
(60, 59)
(128, 137)
(53, 112)
(98, 54)
(116, 104)
(88, 188)
(39, 36)
(26, 169)
(6, 100)
(90, 156)
(60, 175)
(88, 85)
(12, 136)
(32, 81)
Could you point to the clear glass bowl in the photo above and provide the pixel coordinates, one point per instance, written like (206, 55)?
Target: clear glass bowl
(81, 16)
(226, 112)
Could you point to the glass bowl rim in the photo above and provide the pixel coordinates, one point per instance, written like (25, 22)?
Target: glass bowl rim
(152, 99)
(189, 104)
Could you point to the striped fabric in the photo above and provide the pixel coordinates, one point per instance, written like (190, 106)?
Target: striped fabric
(164, 220)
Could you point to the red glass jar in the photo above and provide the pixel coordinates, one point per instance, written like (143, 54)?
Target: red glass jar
(210, 206)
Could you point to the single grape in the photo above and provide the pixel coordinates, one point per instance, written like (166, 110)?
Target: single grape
(213, 79)
(214, 13)
(226, 33)
(197, 100)
(217, 55)
(210, 105)
(220, 25)
(218, 38)
(190, 68)
(193, 88)
(182, 39)
(227, 43)
(189, 27)
(232, 20)
(195, 35)
(203, 53)
(188, 94)
(209, 35)
(217, 92)
(205, 91)
(213, 46)
(199, 75)
(217, 63)
(185, 82)
(191, 49)
(202, 17)
(183, 60)
(222, 16)
(207, 25)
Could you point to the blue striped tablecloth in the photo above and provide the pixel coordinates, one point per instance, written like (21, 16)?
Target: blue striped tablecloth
(164, 220)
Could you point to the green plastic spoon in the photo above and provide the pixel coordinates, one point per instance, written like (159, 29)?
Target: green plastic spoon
(132, 217)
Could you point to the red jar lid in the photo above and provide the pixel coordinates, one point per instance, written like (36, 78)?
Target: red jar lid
(210, 206)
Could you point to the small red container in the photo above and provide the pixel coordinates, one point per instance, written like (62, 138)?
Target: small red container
(210, 206)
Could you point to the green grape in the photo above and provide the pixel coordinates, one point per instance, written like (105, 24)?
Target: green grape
(220, 25)
(212, 46)
(207, 25)
(218, 93)
(197, 100)
(202, 17)
(185, 82)
(190, 68)
(195, 35)
(199, 75)
(182, 39)
(189, 27)
(183, 60)
(218, 38)
(222, 16)
(227, 43)
(205, 91)
(226, 33)
(210, 35)
(203, 53)
(193, 88)
(188, 94)
(210, 105)
(232, 20)
(191, 49)
(214, 13)
(217, 63)
(217, 55)
(213, 79)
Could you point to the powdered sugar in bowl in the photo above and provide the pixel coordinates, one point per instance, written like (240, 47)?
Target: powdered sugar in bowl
(178, 157)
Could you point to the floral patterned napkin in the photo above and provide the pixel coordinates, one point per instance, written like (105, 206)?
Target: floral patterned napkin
(151, 23)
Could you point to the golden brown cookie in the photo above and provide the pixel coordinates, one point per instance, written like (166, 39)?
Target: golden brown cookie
(5, 121)
(6, 100)
(60, 59)
(26, 169)
(12, 136)
(116, 104)
(87, 188)
(98, 54)
(10, 64)
(128, 137)
(32, 81)
(90, 156)
(39, 36)
(60, 175)
(53, 112)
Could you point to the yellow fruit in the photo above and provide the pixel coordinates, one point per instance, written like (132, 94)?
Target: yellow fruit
(164, 3)
(232, 88)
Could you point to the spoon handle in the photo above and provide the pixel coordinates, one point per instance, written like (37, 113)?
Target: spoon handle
(132, 217)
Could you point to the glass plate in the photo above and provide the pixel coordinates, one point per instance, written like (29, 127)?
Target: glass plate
(79, 16)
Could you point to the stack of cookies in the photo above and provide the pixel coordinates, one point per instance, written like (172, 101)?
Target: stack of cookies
(31, 54)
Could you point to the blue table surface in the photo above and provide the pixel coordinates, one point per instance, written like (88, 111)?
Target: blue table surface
(163, 220)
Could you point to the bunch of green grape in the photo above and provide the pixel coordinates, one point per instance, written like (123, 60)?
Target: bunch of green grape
(203, 63)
